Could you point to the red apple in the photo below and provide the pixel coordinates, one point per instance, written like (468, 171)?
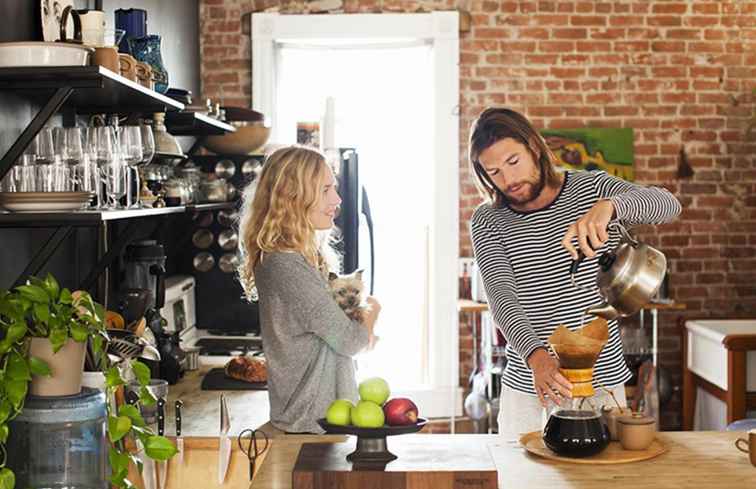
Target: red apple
(400, 411)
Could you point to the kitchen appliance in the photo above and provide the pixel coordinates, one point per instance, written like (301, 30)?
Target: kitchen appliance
(477, 289)
(60, 442)
(355, 220)
(134, 22)
(628, 277)
(179, 311)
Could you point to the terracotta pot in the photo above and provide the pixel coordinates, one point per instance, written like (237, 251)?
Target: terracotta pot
(67, 367)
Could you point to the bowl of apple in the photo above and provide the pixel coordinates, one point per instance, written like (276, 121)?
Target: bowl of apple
(371, 420)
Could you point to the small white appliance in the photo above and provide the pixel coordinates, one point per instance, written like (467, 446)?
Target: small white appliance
(179, 310)
(477, 289)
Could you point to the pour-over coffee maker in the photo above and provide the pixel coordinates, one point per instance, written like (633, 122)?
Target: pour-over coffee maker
(575, 427)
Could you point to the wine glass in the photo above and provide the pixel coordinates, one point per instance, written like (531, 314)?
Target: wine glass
(114, 176)
(131, 151)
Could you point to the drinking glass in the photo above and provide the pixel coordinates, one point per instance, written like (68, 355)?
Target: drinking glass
(114, 176)
(131, 150)
(74, 148)
(45, 148)
(53, 177)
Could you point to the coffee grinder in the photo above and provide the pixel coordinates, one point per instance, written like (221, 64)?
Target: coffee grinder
(145, 269)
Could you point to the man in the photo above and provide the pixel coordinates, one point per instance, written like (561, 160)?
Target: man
(525, 237)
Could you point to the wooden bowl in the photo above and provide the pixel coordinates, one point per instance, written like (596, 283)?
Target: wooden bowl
(245, 140)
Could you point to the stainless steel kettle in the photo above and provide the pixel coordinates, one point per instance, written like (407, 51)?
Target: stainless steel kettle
(628, 277)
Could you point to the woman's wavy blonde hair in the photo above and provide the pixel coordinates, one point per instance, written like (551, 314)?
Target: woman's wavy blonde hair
(275, 213)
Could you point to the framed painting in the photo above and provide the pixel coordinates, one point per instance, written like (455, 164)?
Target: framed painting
(607, 149)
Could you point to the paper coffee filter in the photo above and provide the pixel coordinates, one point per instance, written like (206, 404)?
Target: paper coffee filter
(579, 349)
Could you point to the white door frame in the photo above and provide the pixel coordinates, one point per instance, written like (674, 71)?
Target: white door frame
(442, 30)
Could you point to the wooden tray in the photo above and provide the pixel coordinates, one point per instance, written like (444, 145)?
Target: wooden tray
(613, 454)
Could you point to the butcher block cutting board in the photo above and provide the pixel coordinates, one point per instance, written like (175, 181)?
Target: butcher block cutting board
(422, 464)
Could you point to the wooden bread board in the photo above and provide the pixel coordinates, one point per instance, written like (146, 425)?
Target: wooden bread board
(200, 466)
(422, 464)
(613, 454)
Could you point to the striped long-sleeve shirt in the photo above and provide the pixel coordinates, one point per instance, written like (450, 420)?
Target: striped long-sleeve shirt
(526, 275)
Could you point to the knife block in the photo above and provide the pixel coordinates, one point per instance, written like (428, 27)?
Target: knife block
(200, 466)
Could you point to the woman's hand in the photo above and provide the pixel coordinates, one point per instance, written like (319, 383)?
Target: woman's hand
(374, 309)
(546, 377)
(590, 229)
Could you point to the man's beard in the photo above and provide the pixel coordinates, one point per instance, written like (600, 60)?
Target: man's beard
(535, 191)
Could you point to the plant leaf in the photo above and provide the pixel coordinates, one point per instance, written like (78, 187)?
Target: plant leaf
(39, 367)
(65, 297)
(119, 465)
(15, 390)
(146, 397)
(5, 410)
(58, 337)
(17, 368)
(34, 293)
(118, 427)
(159, 448)
(7, 478)
(16, 332)
(133, 413)
(52, 287)
(42, 313)
(3, 433)
(79, 332)
(141, 371)
(113, 377)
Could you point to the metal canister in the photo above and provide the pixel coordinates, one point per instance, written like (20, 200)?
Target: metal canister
(60, 442)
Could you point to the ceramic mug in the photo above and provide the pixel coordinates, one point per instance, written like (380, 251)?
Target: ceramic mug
(128, 66)
(107, 58)
(144, 75)
(92, 27)
(749, 446)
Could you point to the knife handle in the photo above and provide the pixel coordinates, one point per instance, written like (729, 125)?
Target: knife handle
(161, 416)
(179, 405)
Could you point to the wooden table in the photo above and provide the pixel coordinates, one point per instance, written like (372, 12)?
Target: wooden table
(695, 459)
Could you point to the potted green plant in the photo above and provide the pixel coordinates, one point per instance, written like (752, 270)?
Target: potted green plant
(38, 320)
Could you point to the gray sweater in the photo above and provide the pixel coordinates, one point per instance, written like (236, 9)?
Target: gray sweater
(308, 342)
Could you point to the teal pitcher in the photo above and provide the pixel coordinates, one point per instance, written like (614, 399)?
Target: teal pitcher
(147, 50)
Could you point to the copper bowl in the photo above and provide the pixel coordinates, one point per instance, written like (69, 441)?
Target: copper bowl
(245, 140)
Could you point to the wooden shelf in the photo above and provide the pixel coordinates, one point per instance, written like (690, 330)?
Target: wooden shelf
(195, 124)
(96, 90)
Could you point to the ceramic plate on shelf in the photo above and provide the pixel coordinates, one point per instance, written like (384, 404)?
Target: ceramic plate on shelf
(45, 196)
(43, 206)
(51, 12)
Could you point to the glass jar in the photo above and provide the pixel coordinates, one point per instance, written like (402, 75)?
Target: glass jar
(575, 428)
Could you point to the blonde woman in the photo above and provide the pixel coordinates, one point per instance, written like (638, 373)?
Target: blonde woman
(308, 340)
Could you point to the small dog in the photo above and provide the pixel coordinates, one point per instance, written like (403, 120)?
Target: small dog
(347, 290)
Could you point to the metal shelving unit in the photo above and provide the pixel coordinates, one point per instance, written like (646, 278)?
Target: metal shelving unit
(91, 90)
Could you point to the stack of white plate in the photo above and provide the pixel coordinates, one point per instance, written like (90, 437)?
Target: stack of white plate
(45, 201)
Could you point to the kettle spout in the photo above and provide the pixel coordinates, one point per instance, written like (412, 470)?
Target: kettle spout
(604, 310)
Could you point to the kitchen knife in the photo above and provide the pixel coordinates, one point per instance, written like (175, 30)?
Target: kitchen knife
(162, 464)
(224, 442)
(148, 465)
(179, 438)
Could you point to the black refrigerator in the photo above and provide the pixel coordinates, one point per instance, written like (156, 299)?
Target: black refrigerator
(355, 221)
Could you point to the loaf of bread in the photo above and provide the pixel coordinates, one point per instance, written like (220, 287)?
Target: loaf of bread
(248, 369)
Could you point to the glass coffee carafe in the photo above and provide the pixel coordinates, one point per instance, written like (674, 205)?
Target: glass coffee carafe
(575, 427)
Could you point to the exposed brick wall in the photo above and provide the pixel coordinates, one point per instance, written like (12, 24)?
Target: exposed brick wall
(679, 72)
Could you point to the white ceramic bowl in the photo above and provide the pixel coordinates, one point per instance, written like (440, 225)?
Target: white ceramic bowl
(15, 54)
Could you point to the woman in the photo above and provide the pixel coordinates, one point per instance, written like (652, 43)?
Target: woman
(308, 340)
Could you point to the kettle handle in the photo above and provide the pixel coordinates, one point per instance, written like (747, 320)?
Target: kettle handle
(77, 25)
(581, 256)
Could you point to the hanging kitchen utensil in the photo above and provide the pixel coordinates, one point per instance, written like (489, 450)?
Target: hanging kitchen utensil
(162, 464)
(228, 263)
(227, 218)
(202, 239)
(249, 166)
(225, 169)
(228, 240)
(203, 261)
(628, 276)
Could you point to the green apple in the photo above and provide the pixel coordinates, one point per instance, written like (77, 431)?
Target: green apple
(367, 415)
(339, 412)
(374, 390)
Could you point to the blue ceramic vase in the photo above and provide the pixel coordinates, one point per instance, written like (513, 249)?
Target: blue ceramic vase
(147, 50)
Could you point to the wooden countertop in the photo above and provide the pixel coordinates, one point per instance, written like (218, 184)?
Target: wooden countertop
(695, 459)
(201, 412)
